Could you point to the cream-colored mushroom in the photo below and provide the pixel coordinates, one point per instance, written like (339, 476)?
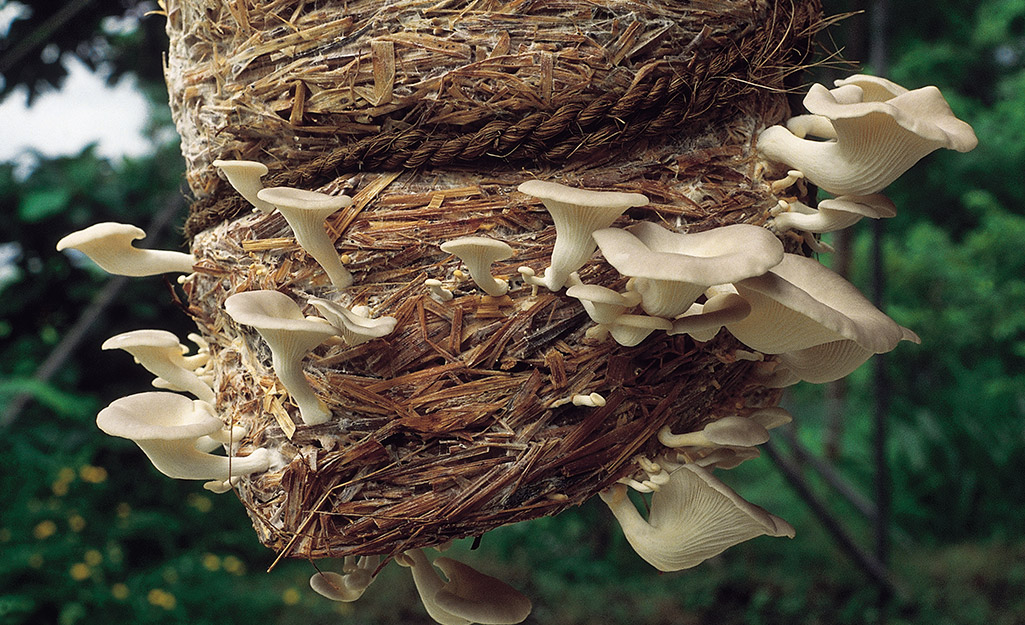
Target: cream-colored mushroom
(878, 136)
(671, 270)
(603, 305)
(349, 585)
(831, 361)
(730, 431)
(167, 427)
(693, 517)
(800, 304)
(290, 336)
(835, 214)
(160, 353)
(469, 596)
(245, 176)
(437, 290)
(109, 245)
(354, 328)
(478, 254)
(576, 214)
(630, 330)
(305, 211)
(703, 321)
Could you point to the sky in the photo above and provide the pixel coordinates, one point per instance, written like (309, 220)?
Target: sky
(84, 111)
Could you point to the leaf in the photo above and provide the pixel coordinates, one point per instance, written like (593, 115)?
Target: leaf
(42, 204)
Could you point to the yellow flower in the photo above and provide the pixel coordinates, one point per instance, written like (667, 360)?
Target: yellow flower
(80, 571)
(291, 596)
(44, 529)
(161, 598)
(93, 557)
(200, 503)
(76, 523)
(233, 565)
(211, 562)
(119, 591)
(92, 475)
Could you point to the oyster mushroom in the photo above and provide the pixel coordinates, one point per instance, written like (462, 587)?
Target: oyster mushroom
(693, 517)
(354, 328)
(801, 304)
(703, 321)
(468, 596)
(672, 270)
(478, 254)
(834, 214)
(305, 211)
(109, 245)
(576, 213)
(290, 336)
(160, 353)
(731, 431)
(244, 177)
(881, 131)
(168, 427)
(347, 587)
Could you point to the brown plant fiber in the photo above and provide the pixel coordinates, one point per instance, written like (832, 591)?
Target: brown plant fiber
(430, 114)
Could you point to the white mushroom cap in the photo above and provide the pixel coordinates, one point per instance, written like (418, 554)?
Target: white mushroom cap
(831, 361)
(245, 176)
(672, 270)
(305, 211)
(468, 597)
(630, 330)
(160, 353)
(703, 321)
(576, 213)
(167, 426)
(602, 305)
(800, 303)
(731, 431)
(835, 214)
(478, 253)
(876, 139)
(109, 245)
(349, 587)
(693, 517)
(354, 328)
(290, 336)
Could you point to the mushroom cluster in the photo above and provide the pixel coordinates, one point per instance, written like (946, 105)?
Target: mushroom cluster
(801, 320)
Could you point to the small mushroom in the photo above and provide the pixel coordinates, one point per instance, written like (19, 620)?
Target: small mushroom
(881, 131)
(703, 321)
(109, 245)
(245, 176)
(731, 431)
(347, 587)
(603, 305)
(800, 304)
(693, 517)
(672, 270)
(469, 596)
(305, 211)
(576, 214)
(354, 328)
(478, 254)
(160, 353)
(630, 330)
(290, 336)
(438, 292)
(167, 427)
(835, 214)
(831, 361)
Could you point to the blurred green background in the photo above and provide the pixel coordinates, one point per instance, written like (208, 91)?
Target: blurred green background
(90, 533)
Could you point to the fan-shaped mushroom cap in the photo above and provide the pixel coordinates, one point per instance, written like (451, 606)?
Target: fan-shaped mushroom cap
(576, 213)
(478, 253)
(245, 176)
(290, 336)
(877, 137)
(160, 353)
(731, 431)
(831, 361)
(167, 426)
(673, 269)
(835, 214)
(355, 329)
(305, 211)
(800, 304)
(630, 330)
(602, 305)
(693, 517)
(703, 321)
(109, 245)
(350, 586)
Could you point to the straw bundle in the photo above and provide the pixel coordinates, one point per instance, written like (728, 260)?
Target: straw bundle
(430, 114)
